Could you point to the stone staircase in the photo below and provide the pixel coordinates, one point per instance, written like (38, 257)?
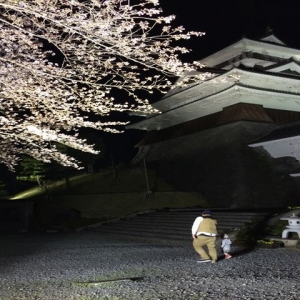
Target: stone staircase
(175, 224)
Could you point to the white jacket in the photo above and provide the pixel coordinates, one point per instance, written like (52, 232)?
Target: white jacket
(226, 245)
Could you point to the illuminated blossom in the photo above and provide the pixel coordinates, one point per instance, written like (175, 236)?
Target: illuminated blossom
(60, 62)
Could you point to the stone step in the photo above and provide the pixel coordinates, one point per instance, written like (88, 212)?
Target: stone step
(157, 235)
(183, 220)
(188, 220)
(121, 226)
(215, 213)
(168, 224)
(153, 229)
(194, 216)
(173, 225)
(186, 217)
(151, 234)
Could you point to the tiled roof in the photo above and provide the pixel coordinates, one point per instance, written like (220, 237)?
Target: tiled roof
(279, 133)
(250, 54)
(296, 171)
(267, 89)
(282, 63)
(245, 112)
(268, 73)
(252, 70)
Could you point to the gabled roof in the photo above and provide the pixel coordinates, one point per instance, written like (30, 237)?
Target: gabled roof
(295, 173)
(271, 38)
(180, 91)
(282, 132)
(255, 72)
(213, 71)
(290, 64)
(268, 46)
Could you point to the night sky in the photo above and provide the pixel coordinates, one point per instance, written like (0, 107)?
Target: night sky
(227, 21)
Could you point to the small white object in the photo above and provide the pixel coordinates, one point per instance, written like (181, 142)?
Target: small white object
(294, 225)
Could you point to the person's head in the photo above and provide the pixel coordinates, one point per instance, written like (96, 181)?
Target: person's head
(225, 236)
(206, 212)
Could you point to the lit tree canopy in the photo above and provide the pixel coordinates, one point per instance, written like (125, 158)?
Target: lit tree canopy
(61, 60)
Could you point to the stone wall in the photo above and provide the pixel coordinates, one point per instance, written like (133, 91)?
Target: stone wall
(15, 215)
(219, 164)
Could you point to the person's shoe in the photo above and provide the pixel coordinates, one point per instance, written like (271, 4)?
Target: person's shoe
(213, 261)
(203, 260)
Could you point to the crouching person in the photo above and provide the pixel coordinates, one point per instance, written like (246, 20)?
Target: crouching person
(204, 233)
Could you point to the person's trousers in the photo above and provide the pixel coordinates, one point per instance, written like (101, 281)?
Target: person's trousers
(208, 241)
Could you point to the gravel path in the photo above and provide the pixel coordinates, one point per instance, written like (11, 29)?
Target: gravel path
(57, 267)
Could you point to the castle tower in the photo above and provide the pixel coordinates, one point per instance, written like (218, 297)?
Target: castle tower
(199, 141)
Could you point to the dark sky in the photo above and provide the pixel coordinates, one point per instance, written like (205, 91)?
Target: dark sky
(227, 21)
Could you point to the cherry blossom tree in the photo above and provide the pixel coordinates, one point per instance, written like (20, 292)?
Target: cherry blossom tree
(61, 60)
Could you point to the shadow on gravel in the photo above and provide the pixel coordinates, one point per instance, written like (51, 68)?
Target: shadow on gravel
(240, 252)
(244, 251)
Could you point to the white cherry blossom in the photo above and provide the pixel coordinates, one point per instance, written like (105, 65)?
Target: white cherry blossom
(62, 60)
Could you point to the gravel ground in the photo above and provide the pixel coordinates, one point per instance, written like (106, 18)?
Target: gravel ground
(58, 266)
